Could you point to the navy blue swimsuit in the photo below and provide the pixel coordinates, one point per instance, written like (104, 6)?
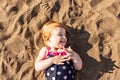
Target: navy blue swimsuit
(59, 72)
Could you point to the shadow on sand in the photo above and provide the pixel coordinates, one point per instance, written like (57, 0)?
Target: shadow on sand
(92, 69)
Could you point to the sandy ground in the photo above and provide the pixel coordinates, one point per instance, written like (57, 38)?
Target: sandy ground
(94, 27)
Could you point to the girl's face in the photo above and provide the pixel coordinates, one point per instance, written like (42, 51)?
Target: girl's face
(58, 38)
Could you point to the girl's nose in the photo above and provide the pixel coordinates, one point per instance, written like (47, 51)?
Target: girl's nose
(63, 36)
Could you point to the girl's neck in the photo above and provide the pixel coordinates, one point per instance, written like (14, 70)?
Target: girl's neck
(55, 49)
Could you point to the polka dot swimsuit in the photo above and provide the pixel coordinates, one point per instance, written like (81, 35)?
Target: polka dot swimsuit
(59, 72)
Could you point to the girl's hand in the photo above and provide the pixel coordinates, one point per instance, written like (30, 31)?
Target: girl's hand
(59, 59)
(70, 52)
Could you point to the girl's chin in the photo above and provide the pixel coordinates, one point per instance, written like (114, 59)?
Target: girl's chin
(61, 46)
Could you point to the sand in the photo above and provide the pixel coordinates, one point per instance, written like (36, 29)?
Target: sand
(94, 27)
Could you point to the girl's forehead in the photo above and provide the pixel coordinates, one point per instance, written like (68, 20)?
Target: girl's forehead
(59, 29)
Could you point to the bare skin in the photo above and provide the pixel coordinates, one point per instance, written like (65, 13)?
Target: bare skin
(42, 64)
(56, 43)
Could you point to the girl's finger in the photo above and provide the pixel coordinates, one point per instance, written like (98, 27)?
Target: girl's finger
(60, 63)
(63, 60)
(65, 57)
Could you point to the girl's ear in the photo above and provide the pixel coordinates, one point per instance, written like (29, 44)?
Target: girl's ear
(47, 40)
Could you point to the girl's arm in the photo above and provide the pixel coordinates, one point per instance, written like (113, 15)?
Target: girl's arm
(77, 61)
(40, 62)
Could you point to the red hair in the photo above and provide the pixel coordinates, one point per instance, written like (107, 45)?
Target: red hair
(48, 28)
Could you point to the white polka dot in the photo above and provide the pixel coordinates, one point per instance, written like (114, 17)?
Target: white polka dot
(72, 67)
(64, 77)
(48, 74)
(69, 72)
(64, 67)
(58, 73)
(52, 68)
(72, 76)
(68, 62)
(53, 78)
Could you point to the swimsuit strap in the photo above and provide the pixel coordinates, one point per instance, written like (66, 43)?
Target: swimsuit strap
(51, 53)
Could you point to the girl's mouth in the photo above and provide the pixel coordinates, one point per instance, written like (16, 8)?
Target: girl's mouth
(62, 41)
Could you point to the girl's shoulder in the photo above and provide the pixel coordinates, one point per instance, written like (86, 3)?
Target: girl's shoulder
(44, 49)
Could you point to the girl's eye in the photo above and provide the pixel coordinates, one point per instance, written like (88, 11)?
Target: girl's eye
(60, 34)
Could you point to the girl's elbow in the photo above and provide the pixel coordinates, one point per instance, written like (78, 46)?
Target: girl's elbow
(37, 68)
(78, 67)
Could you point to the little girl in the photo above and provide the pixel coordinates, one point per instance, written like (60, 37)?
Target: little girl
(57, 61)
